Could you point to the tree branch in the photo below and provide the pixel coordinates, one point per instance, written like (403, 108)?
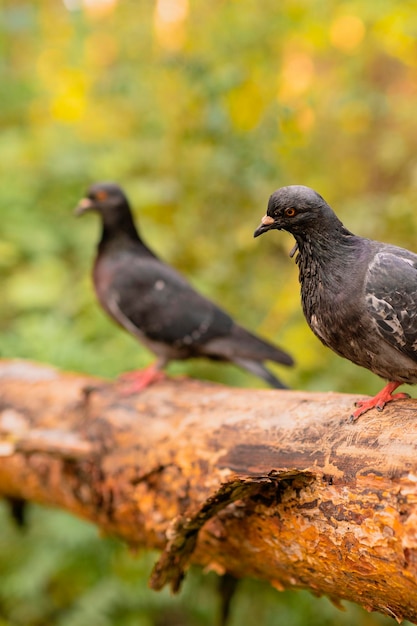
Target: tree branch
(273, 484)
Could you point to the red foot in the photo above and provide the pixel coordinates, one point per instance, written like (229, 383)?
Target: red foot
(140, 379)
(379, 401)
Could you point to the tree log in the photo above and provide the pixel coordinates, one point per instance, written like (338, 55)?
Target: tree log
(276, 485)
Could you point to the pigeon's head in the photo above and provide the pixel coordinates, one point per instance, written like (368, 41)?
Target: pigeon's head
(105, 198)
(297, 209)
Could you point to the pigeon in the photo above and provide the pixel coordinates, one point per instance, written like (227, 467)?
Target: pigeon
(153, 302)
(359, 296)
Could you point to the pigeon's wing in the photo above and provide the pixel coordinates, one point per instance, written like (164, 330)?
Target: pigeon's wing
(391, 297)
(155, 303)
(150, 297)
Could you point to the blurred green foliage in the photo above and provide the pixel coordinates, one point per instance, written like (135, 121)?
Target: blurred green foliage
(200, 110)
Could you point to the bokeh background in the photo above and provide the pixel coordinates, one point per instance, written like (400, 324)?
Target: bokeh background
(199, 110)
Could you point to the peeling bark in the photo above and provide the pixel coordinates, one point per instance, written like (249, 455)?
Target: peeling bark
(271, 484)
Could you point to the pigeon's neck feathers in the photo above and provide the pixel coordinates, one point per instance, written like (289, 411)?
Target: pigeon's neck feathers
(324, 240)
(322, 237)
(118, 227)
(326, 253)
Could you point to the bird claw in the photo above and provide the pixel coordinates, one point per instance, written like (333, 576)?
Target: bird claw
(378, 402)
(138, 380)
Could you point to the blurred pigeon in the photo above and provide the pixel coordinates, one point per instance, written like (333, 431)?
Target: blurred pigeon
(359, 296)
(158, 306)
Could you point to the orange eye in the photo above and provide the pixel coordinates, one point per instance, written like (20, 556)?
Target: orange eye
(101, 195)
(290, 212)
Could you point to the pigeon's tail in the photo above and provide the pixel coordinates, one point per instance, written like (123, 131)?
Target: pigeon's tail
(248, 352)
(248, 346)
(258, 369)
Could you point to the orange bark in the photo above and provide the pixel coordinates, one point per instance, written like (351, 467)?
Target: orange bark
(271, 484)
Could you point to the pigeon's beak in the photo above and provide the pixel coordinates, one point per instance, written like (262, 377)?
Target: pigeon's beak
(83, 206)
(267, 223)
